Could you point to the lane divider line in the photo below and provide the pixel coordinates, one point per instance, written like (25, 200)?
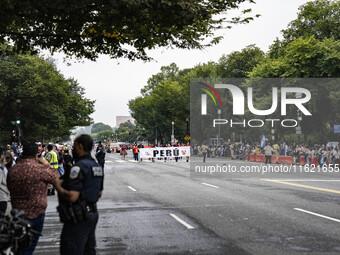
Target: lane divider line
(132, 188)
(207, 184)
(120, 161)
(303, 186)
(317, 214)
(188, 226)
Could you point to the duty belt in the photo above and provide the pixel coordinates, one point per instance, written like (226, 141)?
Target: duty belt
(91, 207)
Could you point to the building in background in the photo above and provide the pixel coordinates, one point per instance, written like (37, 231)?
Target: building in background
(122, 119)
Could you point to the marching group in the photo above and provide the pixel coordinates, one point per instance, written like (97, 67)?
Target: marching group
(135, 149)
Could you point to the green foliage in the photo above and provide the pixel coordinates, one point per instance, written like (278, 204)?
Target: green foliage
(117, 28)
(320, 18)
(166, 97)
(50, 105)
(303, 58)
(97, 127)
(310, 49)
(104, 135)
(127, 132)
(165, 104)
(239, 63)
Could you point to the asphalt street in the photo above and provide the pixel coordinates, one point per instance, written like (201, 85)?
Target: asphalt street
(161, 208)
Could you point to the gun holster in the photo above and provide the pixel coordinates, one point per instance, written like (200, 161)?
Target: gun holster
(73, 212)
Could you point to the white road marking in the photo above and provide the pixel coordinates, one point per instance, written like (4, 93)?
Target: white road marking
(132, 188)
(108, 161)
(188, 226)
(120, 161)
(131, 160)
(207, 184)
(316, 214)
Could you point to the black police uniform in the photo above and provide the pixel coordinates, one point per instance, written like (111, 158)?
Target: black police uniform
(100, 156)
(78, 236)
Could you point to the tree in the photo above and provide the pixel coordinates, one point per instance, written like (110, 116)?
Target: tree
(167, 72)
(303, 58)
(49, 105)
(319, 18)
(166, 97)
(307, 57)
(126, 28)
(157, 111)
(104, 135)
(97, 127)
(239, 63)
(127, 132)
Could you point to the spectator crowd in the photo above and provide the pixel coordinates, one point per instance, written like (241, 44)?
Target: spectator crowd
(325, 153)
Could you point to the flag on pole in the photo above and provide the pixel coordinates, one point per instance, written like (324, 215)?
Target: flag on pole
(285, 147)
(263, 141)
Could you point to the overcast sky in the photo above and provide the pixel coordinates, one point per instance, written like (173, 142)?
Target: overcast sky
(112, 83)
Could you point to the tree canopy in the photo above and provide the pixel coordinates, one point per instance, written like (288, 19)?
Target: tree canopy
(97, 127)
(48, 104)
(239, 63)
(128, 132)
(166, 97)
(104, 135)
(310, 49)
(320, 18)
(124, 28)
(304, 57)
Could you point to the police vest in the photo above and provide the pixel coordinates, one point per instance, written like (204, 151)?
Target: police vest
(52, 158)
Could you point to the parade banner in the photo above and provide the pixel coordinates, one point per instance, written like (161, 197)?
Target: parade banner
(161, 152)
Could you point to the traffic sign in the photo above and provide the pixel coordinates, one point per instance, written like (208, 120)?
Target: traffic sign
(187, 138)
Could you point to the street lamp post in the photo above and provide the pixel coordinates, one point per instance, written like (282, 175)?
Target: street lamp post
(18, 120)
(219, 128)
(172, 133)
(187, 119)
(143, 135)
(156, 140)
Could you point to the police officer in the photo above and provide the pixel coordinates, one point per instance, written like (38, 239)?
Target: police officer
(82, 185)
(52, 157)
(100, 155)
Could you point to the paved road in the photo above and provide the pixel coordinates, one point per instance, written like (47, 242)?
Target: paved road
(158, 208)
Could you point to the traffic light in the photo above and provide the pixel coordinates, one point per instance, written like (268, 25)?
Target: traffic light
(18, 121)
(299, 115)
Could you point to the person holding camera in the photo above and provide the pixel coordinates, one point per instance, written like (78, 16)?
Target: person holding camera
(78, 193)
(27, 183)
